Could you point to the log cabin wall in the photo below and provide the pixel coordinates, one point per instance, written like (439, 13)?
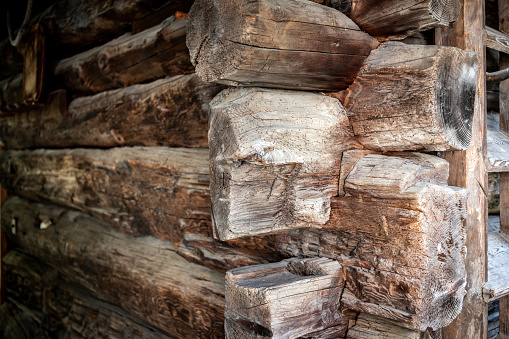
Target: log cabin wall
(255, 169)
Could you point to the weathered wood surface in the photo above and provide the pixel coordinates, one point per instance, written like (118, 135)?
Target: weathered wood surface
(155, 53)
(63, 309)
(369, 326)
(289, 299)
(398, 234)
(497, 285)
(402, 221)
(143, 276)
(21, 323)
(396, 19)
(273, 43)
(467, 169)
(11, 91)
(170, 112)
(497, 40)
(80, 24)
(275, 158)
(142, 191)
(410, 97)
(497, 152)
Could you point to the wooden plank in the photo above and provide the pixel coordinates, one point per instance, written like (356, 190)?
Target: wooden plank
(130, 59)
(497, 285)
(271, 43)
(431, 101)
(498, 152)
(58, 306)
(497, 40)
(171, 111)
(144, 276)
(396, 19)
(467, 169)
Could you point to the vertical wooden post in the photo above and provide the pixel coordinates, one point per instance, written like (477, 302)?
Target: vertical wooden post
(503, 17)
(467, 169)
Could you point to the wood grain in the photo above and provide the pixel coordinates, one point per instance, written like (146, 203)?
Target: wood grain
(170, 112)
(130, 59)
(143, 276)
(497, 285)
(466, 170)
(275, 158)
(59, 307)
(497, 152)
(411, 97)
(273, 43)
(396, 19)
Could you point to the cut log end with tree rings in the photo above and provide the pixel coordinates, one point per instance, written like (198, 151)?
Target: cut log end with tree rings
(410, 97)
(272, 43)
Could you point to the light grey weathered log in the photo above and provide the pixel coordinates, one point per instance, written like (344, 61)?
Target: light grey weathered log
(410, 97)
(288, 299)
(275, 158)
(273, 43)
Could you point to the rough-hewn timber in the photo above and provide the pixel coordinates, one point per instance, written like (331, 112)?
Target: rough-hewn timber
(62, 308)
(142, 191)
(396, 19)
(467, 169)
(274, 43)
(410, 97)
(170, 112)
(143, 276)
(155, 53)
(289, 299)
(275, 158)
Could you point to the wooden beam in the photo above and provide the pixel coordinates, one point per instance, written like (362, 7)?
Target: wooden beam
(275, 158)
(150, 114)
(468, 170)
(57, 306)
(396, 19)
(270, 43)
(155, 53)
(34, 64)
(143, 276)
(497, 40)
(431, 101)
(503, 17)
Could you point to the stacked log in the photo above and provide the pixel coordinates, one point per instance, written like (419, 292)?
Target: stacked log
(315, 231)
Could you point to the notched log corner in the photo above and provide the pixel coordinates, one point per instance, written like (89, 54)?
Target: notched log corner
(411, 232)
(272, 43)
(410, 97)
(288, 299)
(275, 157)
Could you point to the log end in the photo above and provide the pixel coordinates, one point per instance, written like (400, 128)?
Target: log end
(445, 11)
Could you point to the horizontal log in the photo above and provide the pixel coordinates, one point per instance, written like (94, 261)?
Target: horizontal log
(271, 43)
(57, 306)
(398, 233)
(142, 191)
(154, 53)
(275, 158)
(396, 19)
(20, 322)
(410, 97)
(288, 299)
(170, 112)
(369, 326)
(400, 241)
(143, 276)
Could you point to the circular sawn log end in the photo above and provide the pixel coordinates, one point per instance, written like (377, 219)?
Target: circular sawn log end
(455, 93)
(445, 11)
